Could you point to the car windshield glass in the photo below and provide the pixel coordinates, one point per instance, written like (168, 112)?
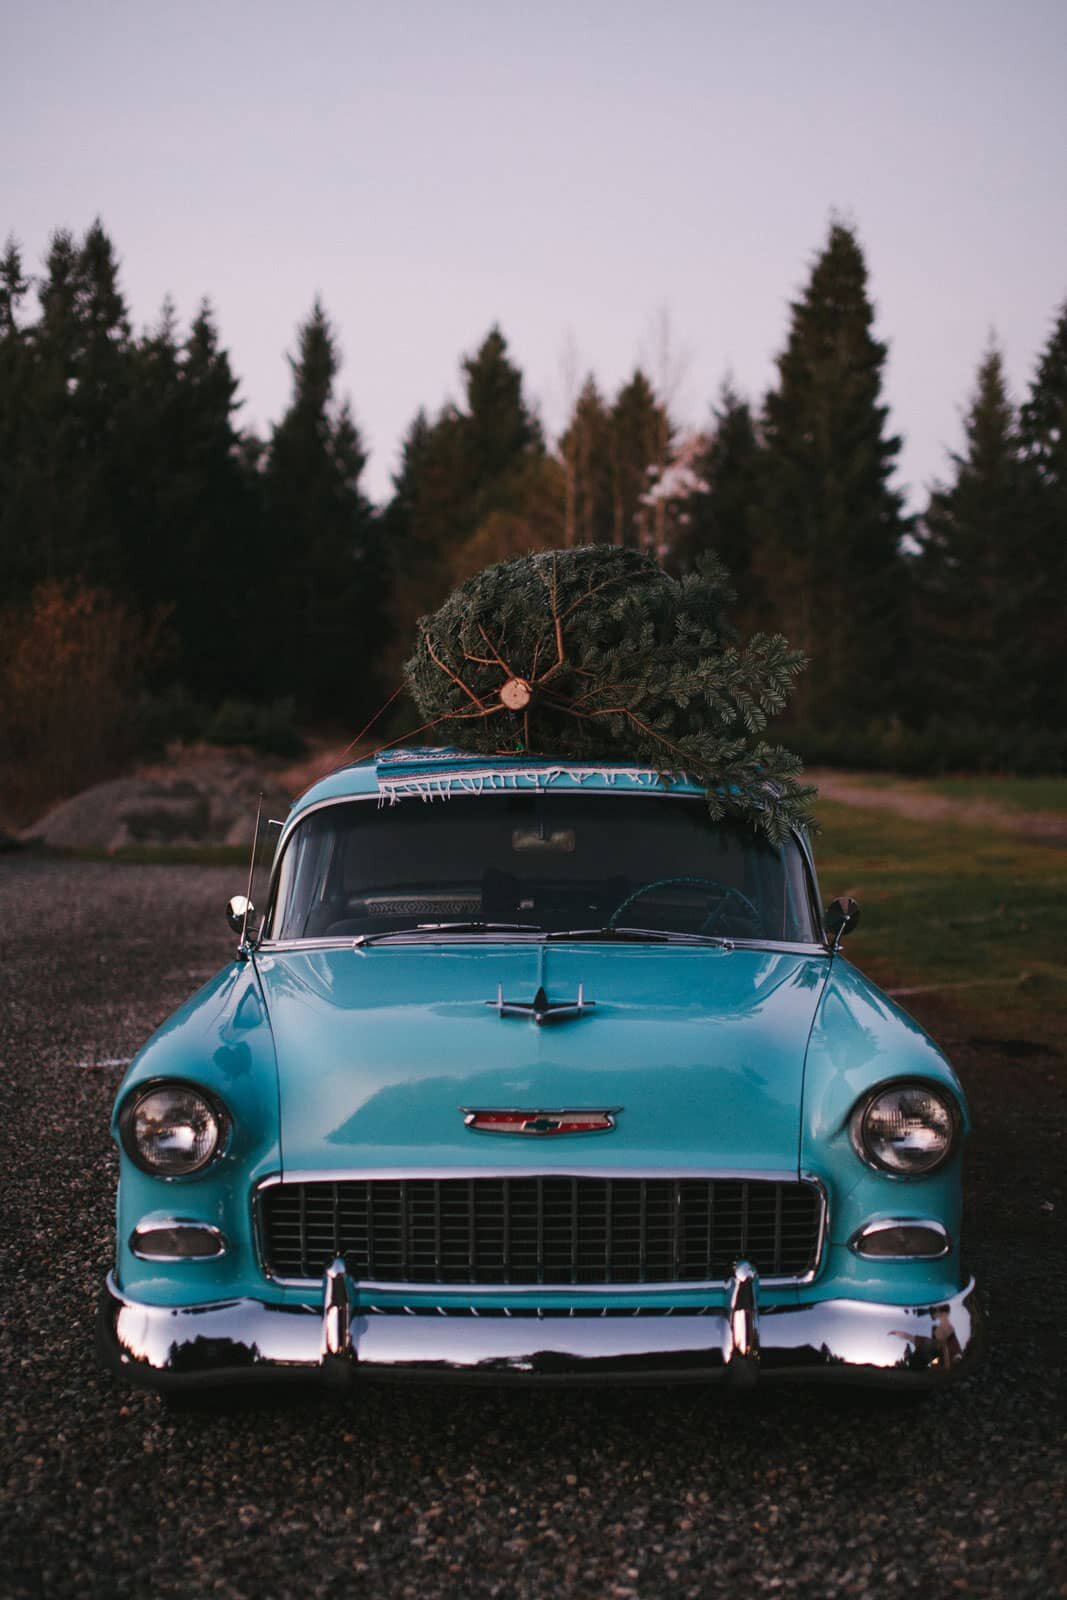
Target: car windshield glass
(546, 863)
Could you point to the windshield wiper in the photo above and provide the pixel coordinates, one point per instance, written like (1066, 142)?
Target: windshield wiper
(421, 928)
(643, 936)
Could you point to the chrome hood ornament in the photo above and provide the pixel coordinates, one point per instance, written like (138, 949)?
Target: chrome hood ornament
(540, 1008)
(511, 1120)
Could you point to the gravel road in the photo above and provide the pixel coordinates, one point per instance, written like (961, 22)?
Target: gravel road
(426, 1493)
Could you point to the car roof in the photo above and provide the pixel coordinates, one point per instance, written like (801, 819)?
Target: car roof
(428, 772)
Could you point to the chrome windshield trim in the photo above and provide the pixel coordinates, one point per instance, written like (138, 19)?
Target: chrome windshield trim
(546, 936)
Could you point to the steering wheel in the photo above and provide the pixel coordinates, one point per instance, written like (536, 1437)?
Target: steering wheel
(725, 892)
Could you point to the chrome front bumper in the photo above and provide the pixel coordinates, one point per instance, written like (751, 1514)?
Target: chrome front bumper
(177, 1347)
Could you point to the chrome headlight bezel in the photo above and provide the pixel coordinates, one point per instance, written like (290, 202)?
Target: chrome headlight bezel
(858, 1131)
(127, 1123)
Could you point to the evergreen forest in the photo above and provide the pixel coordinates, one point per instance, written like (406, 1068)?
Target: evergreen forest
(167, 574)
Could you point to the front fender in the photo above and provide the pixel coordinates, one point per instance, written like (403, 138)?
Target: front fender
(221, 1041)
(860, 1039)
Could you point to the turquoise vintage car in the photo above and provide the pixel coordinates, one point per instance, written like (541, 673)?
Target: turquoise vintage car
(535, 1072)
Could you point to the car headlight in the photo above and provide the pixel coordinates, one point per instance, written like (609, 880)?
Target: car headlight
(905, 1128)
(172, 1129)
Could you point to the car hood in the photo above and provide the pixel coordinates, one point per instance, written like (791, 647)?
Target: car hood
(379, 1048)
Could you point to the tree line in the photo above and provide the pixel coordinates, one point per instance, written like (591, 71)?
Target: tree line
(258, 569)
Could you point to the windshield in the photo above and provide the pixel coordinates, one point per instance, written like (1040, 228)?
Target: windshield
(545, 863)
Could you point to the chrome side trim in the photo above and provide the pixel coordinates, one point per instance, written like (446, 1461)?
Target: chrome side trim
(884, 1224)
(189, 1225)
(824, 1227)
(838, 1340)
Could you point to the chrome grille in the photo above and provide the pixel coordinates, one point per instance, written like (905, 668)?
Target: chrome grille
(549, 1230)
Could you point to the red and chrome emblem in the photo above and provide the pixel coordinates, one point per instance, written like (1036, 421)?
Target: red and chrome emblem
(540, 1122)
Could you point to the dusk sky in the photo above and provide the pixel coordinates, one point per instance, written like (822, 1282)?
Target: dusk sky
(564, 170)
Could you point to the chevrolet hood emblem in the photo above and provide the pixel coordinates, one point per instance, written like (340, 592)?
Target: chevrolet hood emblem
(540, 1122)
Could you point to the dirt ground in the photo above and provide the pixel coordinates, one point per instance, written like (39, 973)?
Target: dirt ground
(908, 798)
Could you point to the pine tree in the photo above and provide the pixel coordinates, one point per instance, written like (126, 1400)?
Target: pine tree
(190, 488)
(16, 567)
(472, 469)
(14, 286)
(426, 521)
(499, 427)
(324, 546)
(150, 438)
(67, 489)
(98, 400)
(1043, 427)
(46, 505)
(641, 438)
(973, 596)
(723, 518)
(585, 454)
(830, 524)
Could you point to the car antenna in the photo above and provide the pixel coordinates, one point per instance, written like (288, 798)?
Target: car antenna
(251, 874)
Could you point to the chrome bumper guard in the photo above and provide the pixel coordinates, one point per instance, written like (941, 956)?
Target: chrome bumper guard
(857, 1341)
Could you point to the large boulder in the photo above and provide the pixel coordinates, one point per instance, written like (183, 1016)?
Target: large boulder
(211, 801)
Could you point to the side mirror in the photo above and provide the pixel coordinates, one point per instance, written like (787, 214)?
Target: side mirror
(840, 917)
(239, 911)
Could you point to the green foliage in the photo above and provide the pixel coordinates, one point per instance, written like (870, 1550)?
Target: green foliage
(157, 720)
(624, 663)
(270, 729)
(937, 745)
(168, 715)
(123, 470)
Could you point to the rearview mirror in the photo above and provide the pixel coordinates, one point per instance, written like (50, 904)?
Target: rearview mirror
(841, 917)
(239, 911)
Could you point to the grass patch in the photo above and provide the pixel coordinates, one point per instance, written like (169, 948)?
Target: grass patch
(979, 915)
(156, 855)
(1015, 794)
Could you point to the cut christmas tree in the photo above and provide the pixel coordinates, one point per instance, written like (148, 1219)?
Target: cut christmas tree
(598, 654)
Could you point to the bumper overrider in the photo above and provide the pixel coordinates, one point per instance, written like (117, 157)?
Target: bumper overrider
(338, 1339)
